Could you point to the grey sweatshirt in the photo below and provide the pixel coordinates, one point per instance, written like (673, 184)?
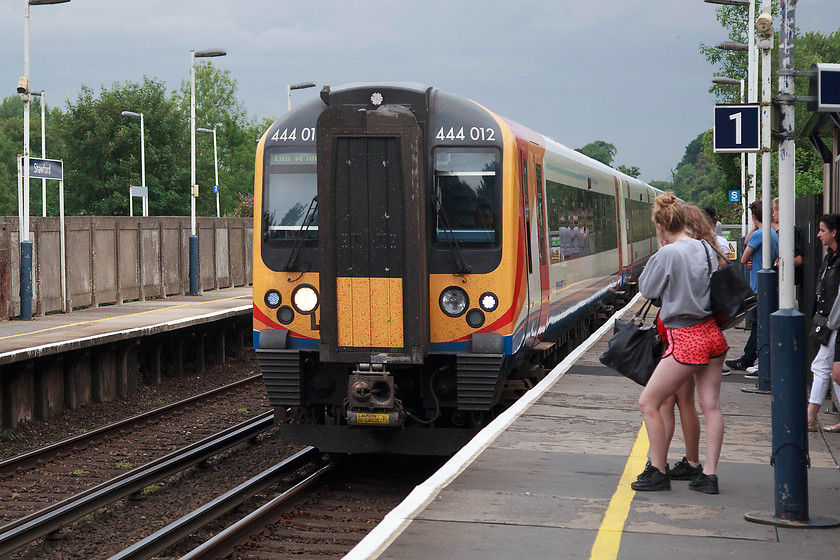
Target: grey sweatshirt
(678, 273)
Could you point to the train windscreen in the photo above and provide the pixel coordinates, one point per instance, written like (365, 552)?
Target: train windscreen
(466, 201)
(289, 198)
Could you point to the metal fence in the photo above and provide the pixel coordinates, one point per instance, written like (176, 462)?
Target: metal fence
(118, 259)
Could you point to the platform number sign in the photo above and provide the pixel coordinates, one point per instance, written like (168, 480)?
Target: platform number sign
(737, 128)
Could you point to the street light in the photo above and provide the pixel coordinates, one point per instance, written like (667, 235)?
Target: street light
(43, 147)
(193, 187)
(289, 88)
(752, 74)
(215, 163)
(133, 115)
(23, 206)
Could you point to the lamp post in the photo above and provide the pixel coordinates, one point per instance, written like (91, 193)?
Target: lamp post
(215, 163)
(193, 187)
(133, 115)
(23, 208)
(290, 87)
(734, 82)
(752, 74)
(43, 148)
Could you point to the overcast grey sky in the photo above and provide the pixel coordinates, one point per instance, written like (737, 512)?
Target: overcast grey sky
(628, 72)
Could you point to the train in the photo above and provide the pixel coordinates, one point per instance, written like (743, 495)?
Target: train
(419, 260)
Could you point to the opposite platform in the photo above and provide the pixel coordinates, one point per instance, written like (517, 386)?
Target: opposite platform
(550, 479)
(56, 333)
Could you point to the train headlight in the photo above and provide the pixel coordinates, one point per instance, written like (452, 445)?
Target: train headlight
(454, 301)
(305, 299)
(272, 299)
(488, 301)
(285, 315)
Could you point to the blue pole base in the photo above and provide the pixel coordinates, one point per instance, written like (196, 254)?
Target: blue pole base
(194, 265)
(25, 280)
(815, 522)
(768, 303)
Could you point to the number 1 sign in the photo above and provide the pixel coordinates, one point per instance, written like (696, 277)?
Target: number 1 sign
(737, 128)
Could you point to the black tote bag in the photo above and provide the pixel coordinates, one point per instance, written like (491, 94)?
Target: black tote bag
(732, 297)
(634, 349)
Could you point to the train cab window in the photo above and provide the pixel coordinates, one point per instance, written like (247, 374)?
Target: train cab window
(291, 185)
(466, 198)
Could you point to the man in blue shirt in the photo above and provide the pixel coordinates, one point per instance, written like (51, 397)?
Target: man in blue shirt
(753, 251)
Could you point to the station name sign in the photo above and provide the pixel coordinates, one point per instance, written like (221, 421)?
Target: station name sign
(46, 169)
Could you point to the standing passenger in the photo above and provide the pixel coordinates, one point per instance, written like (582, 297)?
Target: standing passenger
(828, 282)
(696, 347)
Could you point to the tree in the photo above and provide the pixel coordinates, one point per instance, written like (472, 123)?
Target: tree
(633, 170)
(101, 150)
(600, 151)
(216, 105)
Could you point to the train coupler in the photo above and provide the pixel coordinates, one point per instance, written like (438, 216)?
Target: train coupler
(370, 398)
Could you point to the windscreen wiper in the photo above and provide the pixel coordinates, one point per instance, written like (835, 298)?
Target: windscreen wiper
(302, 233)
(461, 266)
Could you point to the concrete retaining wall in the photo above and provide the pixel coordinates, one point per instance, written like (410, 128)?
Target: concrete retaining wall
(118, 259)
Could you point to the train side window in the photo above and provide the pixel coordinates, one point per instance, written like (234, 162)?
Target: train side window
(465, 187)
(291, 184)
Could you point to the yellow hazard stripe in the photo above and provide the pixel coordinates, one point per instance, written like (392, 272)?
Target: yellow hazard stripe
(608, 539)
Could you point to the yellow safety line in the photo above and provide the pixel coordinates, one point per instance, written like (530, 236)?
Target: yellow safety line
(612, 527)
(119, 317)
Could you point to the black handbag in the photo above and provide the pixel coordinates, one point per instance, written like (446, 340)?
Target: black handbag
(731, 295)
(634, 349)
(819, 329)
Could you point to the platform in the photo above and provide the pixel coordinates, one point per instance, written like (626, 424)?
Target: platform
(62, 332)
(550, 479)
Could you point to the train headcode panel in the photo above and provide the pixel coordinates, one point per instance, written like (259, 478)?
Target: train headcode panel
(420, 260)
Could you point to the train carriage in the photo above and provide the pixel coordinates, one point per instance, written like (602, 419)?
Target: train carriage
(417, 258)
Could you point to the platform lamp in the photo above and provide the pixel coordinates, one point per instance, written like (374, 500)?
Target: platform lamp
(734, 82)
(133, 115)
(215, 163)
(290, 87)
(23, 194)
(193, 187)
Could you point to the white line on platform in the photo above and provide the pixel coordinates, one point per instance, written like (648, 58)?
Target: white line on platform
(399, 518)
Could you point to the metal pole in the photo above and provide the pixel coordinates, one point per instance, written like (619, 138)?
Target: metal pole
(143, 166)
(64, 306)
(193, 237)
(43, 151)
(744, 194)
(289, 96)
(752, 80)
(216, 162)
(23, 222)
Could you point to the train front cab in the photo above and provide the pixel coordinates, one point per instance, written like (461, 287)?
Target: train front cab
(403, 350)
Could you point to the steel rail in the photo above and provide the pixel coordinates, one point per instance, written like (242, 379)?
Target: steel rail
(225, 542)
(52, 518)
(188, 524)
(81, 441)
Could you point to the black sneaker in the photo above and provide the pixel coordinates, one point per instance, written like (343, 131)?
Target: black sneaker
(652, 479)
(706, 483)
(738, 364)
(684, 471)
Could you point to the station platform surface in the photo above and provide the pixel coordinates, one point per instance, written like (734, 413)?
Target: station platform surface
(60, 332)
(550, 478)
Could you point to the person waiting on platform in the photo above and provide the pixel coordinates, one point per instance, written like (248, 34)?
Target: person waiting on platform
(752, 256)
(696, 346)
(828, 282)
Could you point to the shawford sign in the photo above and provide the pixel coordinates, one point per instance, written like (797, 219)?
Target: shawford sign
(46, 169)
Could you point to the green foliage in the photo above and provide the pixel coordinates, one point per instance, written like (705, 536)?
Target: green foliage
(600, 151)
(632, 170)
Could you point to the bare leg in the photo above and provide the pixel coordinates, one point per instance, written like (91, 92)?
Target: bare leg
(668, 376)
(667, 411)
(689, 420)
(708, 389)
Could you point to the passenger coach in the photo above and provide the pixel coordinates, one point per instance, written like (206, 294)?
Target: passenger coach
(417, 260)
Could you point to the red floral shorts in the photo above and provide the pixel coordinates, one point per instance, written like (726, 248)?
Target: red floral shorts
(696, 344)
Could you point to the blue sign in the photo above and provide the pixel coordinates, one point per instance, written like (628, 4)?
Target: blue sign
(734, 196)
(46, 168)
(737, 128)
(825, 88)
(216, 189)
